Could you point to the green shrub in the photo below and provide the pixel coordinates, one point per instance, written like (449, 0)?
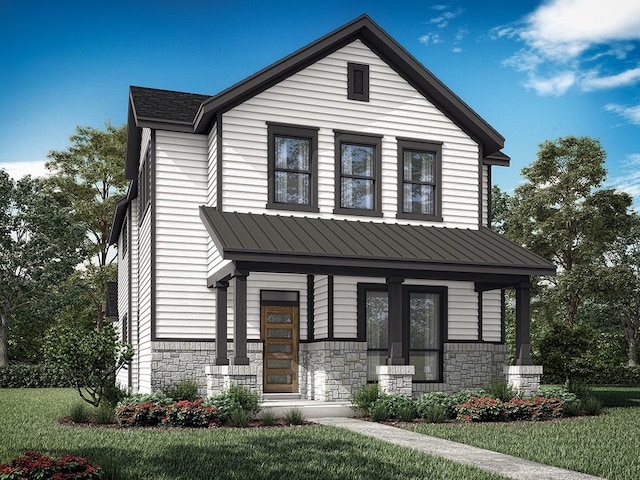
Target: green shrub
(294, 417)
(145, 414)
(32, 376)
(406, 413)
(379, 412)
(235, 397)
(501, 390)
(156, 398)
(185, 390)
(435, 413)
(538, 408)
(105, 414)
(427, 402)
(572, 404)
(363, 400)
(614, 375)
(464, 395)
(394, 403)
(268, 418)
(79, 413)
(592, 406)
(112, 393)
(239, 418)
(35, 466)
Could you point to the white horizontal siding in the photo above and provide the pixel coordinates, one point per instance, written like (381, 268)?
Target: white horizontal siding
(123, 292)
(492, 316)
(144, 303)
(321, 307)
(133, 258)
(486, 195)
(185, 307)
(316, 97)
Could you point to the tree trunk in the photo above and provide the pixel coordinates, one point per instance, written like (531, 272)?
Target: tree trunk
(574, 303)
(4, 341)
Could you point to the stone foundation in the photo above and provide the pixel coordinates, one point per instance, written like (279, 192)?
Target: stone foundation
(467, 366)
(331, 370)
(396, 378)
(525, 379)
(172, 362)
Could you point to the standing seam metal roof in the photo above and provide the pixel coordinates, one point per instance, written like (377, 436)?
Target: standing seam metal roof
(276, 238)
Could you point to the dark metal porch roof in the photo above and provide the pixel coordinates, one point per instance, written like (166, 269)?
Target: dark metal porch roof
(279, 239)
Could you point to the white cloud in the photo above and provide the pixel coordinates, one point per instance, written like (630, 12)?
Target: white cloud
(563, 29)
(570, 36)
(443, 20)
(623, 79)
(628, 178)
(430, 39)
(552, 86)
(632, 114)
(17, 170)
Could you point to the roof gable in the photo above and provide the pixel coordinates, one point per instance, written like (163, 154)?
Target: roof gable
(187, 112)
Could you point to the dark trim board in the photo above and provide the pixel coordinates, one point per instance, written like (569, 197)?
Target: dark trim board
(330, 306)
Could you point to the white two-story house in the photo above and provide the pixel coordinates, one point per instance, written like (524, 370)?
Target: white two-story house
(321, 224)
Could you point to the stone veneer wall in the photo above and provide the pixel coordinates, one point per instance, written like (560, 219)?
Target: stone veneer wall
(467, 366)
(331, 370)
(175, 360)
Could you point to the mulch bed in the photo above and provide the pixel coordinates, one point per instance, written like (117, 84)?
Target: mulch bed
(255, 424)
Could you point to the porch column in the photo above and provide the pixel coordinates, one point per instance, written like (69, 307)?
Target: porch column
(221, 322)
(240, 319)
(523, 320)
(398, 334)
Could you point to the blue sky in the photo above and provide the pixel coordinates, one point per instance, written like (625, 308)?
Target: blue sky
(535, 70)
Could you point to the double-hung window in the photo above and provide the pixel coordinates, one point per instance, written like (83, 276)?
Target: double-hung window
(358, 165)
(420, 184)
(292, 157)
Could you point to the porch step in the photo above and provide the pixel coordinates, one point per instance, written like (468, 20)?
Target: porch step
(268, 397)
(310, 408)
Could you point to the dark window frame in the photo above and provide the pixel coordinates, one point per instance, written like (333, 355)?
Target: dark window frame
(358, 82)
(442, 291)
(125, 236)
(413, 145)
(144, 182)
(293, 131)
(363, 139)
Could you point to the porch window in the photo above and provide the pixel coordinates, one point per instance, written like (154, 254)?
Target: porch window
(358, 165)
(292, 167)
(423, 311)
(419, 189)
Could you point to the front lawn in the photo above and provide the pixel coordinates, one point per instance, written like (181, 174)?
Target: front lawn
(28, 420)
(606, 446)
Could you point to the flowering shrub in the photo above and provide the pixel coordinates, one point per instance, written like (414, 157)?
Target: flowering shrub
(178, 414)
(487, 409)
(480, 409)
(35, 466)
(538, 408)
(191, 414)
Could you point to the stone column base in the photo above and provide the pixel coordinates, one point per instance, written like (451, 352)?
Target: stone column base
(396, 378)
(525, 379)
(220, 377)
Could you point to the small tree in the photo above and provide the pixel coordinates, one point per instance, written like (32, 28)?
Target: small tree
(90, 359)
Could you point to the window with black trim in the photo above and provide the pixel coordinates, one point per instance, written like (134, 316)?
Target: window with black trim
(292, 155)
(144, 183)
(358, 82)
(419, 178)
(358, 165)
(423, 314)
(125, 236)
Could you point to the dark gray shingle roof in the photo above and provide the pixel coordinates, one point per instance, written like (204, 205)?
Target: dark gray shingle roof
(277, 239)
(152, 104)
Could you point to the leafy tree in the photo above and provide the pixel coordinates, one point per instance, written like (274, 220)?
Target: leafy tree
(39, 248)
(563, 214)
(618, 282)
(499, 209)
(89, 359)
(89, 177)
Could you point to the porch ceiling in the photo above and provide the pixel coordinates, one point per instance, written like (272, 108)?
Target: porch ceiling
(276, 239)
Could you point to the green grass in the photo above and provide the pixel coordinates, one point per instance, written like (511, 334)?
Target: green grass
(28, 421)
(605, 446)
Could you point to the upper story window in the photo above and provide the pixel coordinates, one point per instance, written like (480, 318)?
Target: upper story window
(420, 180)
(144, 183)
(125, 236)
(358, 82)
(358, 165)
(292, 155)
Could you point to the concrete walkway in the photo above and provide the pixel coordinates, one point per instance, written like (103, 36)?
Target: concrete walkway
(506, 465)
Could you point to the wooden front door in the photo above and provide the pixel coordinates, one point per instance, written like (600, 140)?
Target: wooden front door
(280, 348)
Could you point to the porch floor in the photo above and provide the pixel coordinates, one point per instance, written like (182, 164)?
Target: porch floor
(280, 404)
